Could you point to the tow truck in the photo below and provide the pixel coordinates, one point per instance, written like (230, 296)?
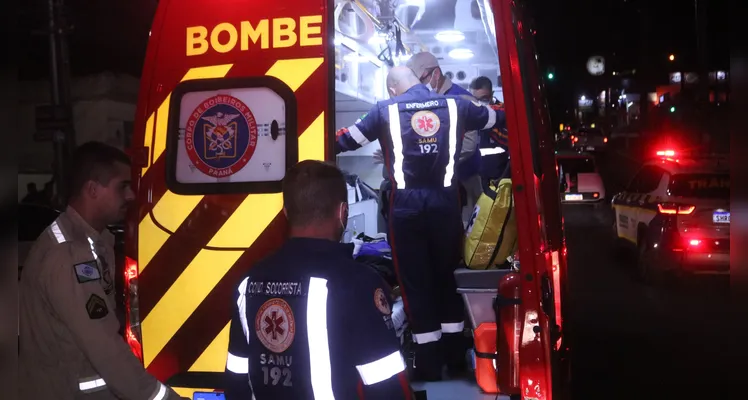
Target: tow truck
(235, 92)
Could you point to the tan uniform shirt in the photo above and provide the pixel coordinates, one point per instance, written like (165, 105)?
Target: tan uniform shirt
(69, 342)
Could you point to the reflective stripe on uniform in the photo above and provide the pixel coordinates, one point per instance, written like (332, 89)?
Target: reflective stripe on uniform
(242, 304)
(490, 151)
(236, 364)
(453, 327)
(93, 248)
(382, 369)
(397, 146)
(160, 392)
(491, 118)
(91, 384)
(319, 347)
(57, 232)
(427, 337)
(452, 107)
(358, 136)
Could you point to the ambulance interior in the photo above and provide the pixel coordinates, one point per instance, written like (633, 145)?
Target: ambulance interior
(460, 33)
(370, 37)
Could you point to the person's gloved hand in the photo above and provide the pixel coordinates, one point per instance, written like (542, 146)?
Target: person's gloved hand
(378, 156)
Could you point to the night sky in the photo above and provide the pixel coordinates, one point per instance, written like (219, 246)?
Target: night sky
(112, 35)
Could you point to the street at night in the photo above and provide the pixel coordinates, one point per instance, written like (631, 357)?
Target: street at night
(637, 341)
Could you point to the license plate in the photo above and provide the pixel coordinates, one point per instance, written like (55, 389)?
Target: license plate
(590, 147)
(721, 217)
(208, 396)
(574, 197)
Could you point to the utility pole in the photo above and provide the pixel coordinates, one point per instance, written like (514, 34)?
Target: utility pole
(63, 140)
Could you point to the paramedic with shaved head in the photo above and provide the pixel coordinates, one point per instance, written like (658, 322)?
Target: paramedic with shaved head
(420, 133)
(70, 346)
(309, 322)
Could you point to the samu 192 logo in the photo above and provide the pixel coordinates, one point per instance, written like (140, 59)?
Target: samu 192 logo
(221, 136)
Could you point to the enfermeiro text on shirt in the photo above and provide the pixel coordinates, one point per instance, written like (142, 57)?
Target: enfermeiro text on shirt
(432, 103)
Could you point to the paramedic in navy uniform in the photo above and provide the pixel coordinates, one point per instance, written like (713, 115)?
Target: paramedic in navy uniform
(309, 322)
(420, 134)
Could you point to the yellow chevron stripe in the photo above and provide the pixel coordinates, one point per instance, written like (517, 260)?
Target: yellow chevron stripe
(172, 209)
(295, 72)
(162, 113)
(213, 358)
(312, 141)
(241, 230)
(170, 212)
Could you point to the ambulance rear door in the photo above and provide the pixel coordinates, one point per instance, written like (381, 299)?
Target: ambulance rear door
(233, 93)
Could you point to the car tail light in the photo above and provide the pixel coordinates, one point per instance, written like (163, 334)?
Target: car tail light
(605, 140)
(132, 314)
(672, 208)
(666, 153)
(694, 242)
(595, 195)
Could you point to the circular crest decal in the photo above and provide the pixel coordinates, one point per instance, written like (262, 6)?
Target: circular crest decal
(221, 136)
(425, 123)
(381, 302)
(275, 325)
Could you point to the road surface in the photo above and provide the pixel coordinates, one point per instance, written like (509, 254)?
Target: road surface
(633, 341)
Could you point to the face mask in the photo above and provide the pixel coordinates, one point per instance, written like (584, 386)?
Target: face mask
(428, 83)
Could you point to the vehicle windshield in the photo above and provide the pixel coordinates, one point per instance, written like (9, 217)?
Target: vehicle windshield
(576, 165)
(705, 186)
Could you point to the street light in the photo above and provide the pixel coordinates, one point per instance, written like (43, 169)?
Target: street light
(583, 98)
(550, 75)
(672, 109)
(671, 57)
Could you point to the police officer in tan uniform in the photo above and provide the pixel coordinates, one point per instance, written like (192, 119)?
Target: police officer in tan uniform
(69, 342)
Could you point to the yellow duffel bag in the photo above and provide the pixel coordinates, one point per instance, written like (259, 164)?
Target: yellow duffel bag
(491, 235)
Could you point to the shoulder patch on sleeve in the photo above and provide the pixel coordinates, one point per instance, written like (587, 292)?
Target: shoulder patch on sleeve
(361, 118)
(96, 307)
(87, 271)
(380, 300)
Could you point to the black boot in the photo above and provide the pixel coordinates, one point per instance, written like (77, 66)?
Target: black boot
(428, 362)
(455, 347)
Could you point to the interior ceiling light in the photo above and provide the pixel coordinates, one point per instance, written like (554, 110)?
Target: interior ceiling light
(461, 54)
(450, 36)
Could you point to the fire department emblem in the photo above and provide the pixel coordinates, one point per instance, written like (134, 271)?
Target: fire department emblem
(275, 325)
(381, 302)
(221, 136)
(425, 123)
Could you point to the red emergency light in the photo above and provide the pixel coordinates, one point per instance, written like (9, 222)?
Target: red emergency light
(666, 153)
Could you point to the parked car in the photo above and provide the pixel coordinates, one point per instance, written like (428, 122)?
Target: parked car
(580, 181)
(589, 139)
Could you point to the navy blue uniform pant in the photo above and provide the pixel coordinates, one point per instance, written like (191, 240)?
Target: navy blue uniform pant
(425, 230)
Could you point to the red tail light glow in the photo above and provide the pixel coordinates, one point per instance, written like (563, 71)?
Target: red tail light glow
(694, 242)
(666, 153)
(680, 209)
(132, 315)
(605, 140)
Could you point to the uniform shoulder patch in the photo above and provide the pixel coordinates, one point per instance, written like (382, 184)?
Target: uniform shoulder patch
(380, 301)
(87, 271)
(275, 325)
(96, 307)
